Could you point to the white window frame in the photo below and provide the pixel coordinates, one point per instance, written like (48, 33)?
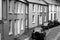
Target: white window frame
(10, 27)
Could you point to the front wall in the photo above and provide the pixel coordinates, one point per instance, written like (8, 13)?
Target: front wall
(30, 17)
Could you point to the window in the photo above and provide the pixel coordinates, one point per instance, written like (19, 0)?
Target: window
(51, 16)
(38, 8)
(22, 8)
(16, 7)
(45, 8)
(17, 27)
(55, 8)
(50, 8)
(0, 9)
(19, 7)
(41, 9)
(26, 9)
(11, 6)
(33, 19)
(33, 7)
(22, 25)
(10, 28)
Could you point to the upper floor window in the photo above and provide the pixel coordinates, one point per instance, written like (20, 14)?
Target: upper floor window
(38, 8)
(55, 8)
(16, 7)
(22, 7)
(26, 9)
(10, 28)
(41, 8)
(33, 7)
(45, 8)
(50, 8)
(11, 6)
(19, 7)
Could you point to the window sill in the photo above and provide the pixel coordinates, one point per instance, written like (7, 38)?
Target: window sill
(10, 34)
(33, 22)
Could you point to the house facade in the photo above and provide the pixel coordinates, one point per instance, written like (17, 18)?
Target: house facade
(54, 7)
(37, 12)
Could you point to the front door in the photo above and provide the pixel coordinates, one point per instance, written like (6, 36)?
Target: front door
(39, 19)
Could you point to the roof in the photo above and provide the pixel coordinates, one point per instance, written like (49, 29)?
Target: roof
(52, 2)
(37, 1)
(22, 1)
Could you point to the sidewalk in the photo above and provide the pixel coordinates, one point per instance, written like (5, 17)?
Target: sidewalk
(52, 34)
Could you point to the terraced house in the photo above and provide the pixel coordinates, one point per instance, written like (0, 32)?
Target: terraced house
(19, 16)
(37, 12)
(54, 9)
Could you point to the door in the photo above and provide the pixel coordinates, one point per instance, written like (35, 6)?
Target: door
(39, 19)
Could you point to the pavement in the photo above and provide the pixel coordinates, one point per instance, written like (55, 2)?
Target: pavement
(53, 33)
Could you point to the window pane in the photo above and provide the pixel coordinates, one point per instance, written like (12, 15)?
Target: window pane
(33, 19)
(50, 8)
(19, 7)
(22, 8)
(26, 9)
(22, 26)
(11, 6)
(10, 28)
(33, 7)
(41, 9)
(45, 8)
(15, 27)
(18, 26)
(16, 7)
